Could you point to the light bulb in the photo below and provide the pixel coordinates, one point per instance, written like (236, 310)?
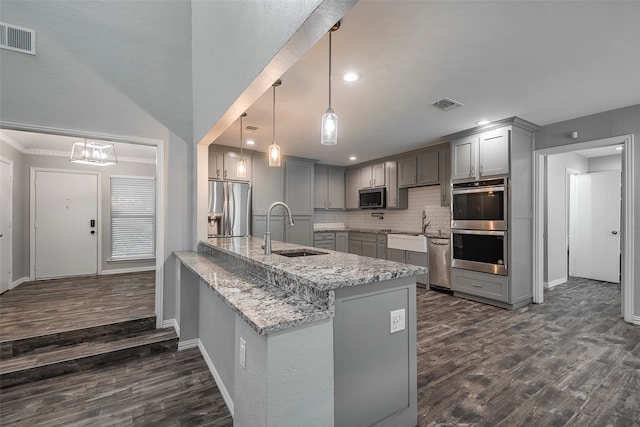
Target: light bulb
(241, 169)
(274, 155)
(329, 128)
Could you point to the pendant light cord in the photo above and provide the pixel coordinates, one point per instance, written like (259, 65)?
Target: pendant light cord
(241, 115)
(273, 139)
(330, 31)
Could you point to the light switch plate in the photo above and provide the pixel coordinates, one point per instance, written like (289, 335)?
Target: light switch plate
(396, 319)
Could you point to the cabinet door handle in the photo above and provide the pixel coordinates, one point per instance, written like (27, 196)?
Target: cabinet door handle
(217, 173)
(443, 198)
(225, 173)
(481, 169)
(471, 172)
(476, 286)
(370, 183)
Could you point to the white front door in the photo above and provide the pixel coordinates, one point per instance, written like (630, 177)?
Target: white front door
(66, 240)
(595, 227)
(5, 226)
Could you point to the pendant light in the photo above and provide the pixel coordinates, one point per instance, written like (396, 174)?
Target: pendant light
(93, 153)
(329, 128)
(274, 149)
(241, 167)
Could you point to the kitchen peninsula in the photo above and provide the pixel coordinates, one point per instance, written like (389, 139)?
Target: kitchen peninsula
(323, 339)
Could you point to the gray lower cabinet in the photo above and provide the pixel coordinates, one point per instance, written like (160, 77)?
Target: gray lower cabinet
(342, 241)
(482, 285)
(381, 246)
(397, 255)
(375, 370)
(366, 244)
(421, 259)
(325, 240)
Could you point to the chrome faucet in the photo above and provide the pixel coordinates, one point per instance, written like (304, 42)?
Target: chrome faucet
(425, 223)
(267, 234)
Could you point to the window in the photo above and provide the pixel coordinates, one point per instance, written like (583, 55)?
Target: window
(133, 218)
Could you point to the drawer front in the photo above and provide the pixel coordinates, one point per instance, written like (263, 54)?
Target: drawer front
(325, 244)
(364, 237)
(323, 236)
(482, 285)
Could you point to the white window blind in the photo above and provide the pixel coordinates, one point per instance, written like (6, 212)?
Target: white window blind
(133, 217)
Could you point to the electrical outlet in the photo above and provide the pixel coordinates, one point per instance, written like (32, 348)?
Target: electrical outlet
(396, 321)
(243, 352)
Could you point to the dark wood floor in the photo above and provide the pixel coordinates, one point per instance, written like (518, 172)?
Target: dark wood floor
(569, 362)
(51, 306)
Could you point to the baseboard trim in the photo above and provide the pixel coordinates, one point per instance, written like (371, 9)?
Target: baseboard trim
(171, 323)
(18, 282)
(554, 283)
(128, 270)
(185, 345)
(636, 320)
(216, 376)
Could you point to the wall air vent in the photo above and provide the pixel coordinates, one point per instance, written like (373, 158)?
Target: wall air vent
(18, 39)
(447, 104)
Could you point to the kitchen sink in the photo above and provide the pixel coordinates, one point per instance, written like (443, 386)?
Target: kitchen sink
(298, 252)
(406, 242)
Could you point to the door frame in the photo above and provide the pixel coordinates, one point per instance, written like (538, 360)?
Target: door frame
(569, 172)
(627, 223)
(9, 163)
(32, 213)
(161, 187)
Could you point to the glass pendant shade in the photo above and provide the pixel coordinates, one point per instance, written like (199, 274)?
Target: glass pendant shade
(241, 169)
(274, 155)
(93, 153)
(329, 128)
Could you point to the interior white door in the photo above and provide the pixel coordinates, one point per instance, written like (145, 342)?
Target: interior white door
(66, 243)
(5, 226)
(595, 227)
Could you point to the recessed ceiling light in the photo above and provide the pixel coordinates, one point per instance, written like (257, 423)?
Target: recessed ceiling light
(352, 158)
(482, 122)
(351, 76)
(619, 148)
(250, 142)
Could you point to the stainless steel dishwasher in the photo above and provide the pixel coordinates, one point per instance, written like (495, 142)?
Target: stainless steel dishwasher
(440, 262)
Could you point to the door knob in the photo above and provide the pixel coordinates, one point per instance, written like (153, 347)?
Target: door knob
(93, 232)
(614, 232)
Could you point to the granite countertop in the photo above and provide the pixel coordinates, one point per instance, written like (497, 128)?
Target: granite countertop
(265, 307)
(321, 272)
(430, 234)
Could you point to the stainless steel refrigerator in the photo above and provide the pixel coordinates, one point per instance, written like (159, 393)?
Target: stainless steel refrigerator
(229, 208)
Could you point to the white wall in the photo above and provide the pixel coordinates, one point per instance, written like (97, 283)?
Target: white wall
(121, 68)
(557, 206)
(623, 121)
(605, 163)
(19, 215)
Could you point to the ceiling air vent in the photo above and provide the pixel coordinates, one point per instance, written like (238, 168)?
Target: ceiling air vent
(17, 38)
(447, 104)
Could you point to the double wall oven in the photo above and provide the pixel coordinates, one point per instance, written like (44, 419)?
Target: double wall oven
(479, 226)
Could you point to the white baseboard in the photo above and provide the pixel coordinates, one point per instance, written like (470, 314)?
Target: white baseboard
(636, 320)
(171, 323)
(216, 376)
(185, 345)
(18, 282)
(128, 270)
(553, 283)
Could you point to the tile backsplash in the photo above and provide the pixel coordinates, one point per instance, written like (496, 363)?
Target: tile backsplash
(410, 219)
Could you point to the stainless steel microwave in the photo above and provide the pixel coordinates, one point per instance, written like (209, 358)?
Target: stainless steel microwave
(373, 198)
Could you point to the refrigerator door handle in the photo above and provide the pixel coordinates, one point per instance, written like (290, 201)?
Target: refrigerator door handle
(232, 210)
(225, 210)
(248, 210)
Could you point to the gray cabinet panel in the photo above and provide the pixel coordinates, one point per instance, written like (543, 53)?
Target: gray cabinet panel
(397, 198)
(355, 247)
(445, 176)
(216, 164)
(342, 241)
(463, 158)
(299, 185)
(480, 284)
(352, 187)
(407, 172)
(302, 232)
(369, 249)
(428, 171)
(373, 367)
(259, 227)
(493, 152)
(268, 184)
(397, 255)
(329, 187)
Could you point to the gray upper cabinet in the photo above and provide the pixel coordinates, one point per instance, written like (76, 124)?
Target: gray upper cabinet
(223, 165)
(268, 185)
(328, 187)
(397, 198)
(480, 156)
(301, 233)
(428, 168)
(493, 153)
(298, 190)
(407, 172)
(352, 187)
(372, 176)
(445, 175)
